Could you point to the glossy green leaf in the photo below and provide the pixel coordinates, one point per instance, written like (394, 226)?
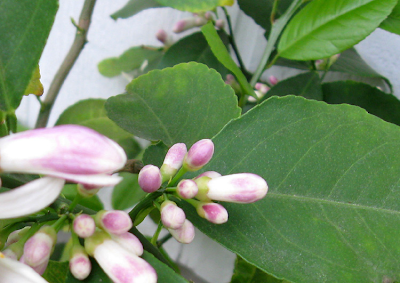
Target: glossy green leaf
(56, 272)
(195, 6)
(92, 114)
(69, 192)
(155, 154)
(164, 273)
(127, 193)
(194, 48)
(332, 212)
(244, 272)
(385, 106)
(96, 276)
(133, 7)
(222, 54)
(24, 28)
(131, 60)
(307, 85)
(327, 27)
(35, 85)
(392, 22)
(181, 104)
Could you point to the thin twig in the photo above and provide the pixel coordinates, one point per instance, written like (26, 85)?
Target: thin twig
(62, 73)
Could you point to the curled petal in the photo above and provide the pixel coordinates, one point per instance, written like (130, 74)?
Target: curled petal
(30, 198)
(13, 271)
(184, 234)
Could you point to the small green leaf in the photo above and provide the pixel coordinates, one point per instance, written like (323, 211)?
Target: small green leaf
(69, 192)
(127, 193)
(385, 106)
(327, 27)
(222, 54)
(307, 85)
(92, 114)
(181, 104)
(392, 22)
(195, 6)
(97, 275)
(194, 47)
(35, 86)
(155, 154)
(24, 26)
(56, 272)
(133, 7)
(245, 272)
(131, 60)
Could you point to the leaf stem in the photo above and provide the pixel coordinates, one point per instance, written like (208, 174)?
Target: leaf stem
(66, 66)
(277, 28)
(156, 234)
(273, 12)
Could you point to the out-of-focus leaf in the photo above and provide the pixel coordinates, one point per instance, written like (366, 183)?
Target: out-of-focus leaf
(155, 154)
(56, 272)
(25, 26)
(385, 106)
(245, 272)
(327, 27)
(132, 59)
(127, 192)
(181, 104)
(194, 48)
(195, 6)
(35, 86)
(133, 7)
(69, 192)
(92, 114)
(392, 22)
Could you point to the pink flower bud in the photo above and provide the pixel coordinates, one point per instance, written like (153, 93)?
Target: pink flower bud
(172, 216)
(16, 235)
(40, 269)
(173, 161)
(220, 23)
(38, 248)
(208, 16)
(129, 242)
(273, 80)
(187, 189)
(229, 79)
(213, 212)
(199, 154)
(209, 174)
(87, 191)
(239, 188)
(184, 24)
(262, 88)
(69, 152)
(114, 221)
(10, 254)
(79, 263)
(84, 226)
(185, 234)
(162, 36)
(150, 178)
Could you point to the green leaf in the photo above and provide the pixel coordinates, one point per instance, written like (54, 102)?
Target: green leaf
(12, 181)
(69, 192)
(35, 86)
(392, 22)
(155, 154)
(327, 27)
(194, 47)
(56, 272)
(164, 273)
(24, 28)
(195, 6)
(307, 85)
(127, 193)
(244, 272)
(222, 54)
(133, 7)
(181, 104)
(131, 60)
(92, 114)
(97, 275)
(332, 212)
(385, 106)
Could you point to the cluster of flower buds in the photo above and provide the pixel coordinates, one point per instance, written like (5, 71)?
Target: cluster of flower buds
(200, 191)
(326, 63)
(197, 20)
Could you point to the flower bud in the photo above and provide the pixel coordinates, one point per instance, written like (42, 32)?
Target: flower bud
(220, 23)
(38, 248)
(209, 174)
(84, 225)
(114, 221)
(129, 242)
(79, 263)
(150, 178)
(239, 188)
(16, 235)
(213, 212)
(173, 161)
(262, 88)
(184, 24)
(10, 253)
(273, 80)
(69, 152)
(199, 155)
(13, 271)
(87, 191)
(163, 37)
(185, 234)
(172, 216)
(187, 189)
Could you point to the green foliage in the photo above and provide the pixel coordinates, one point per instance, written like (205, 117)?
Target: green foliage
(56, 272)
(322, 34)
(195, 6)
(244, 272)
(155, 154)
(97, 275)
(69, 192)
(332, 212)
(184, 104)
(127, 193)
(24, 27)
(392, 22)
(133, 7)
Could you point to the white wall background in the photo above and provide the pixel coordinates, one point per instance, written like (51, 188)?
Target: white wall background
(109, 38)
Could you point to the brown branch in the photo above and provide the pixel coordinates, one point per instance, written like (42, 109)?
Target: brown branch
(76, 48)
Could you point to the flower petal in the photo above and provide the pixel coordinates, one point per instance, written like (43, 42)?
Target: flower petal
(30, 198)
(13, 271)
